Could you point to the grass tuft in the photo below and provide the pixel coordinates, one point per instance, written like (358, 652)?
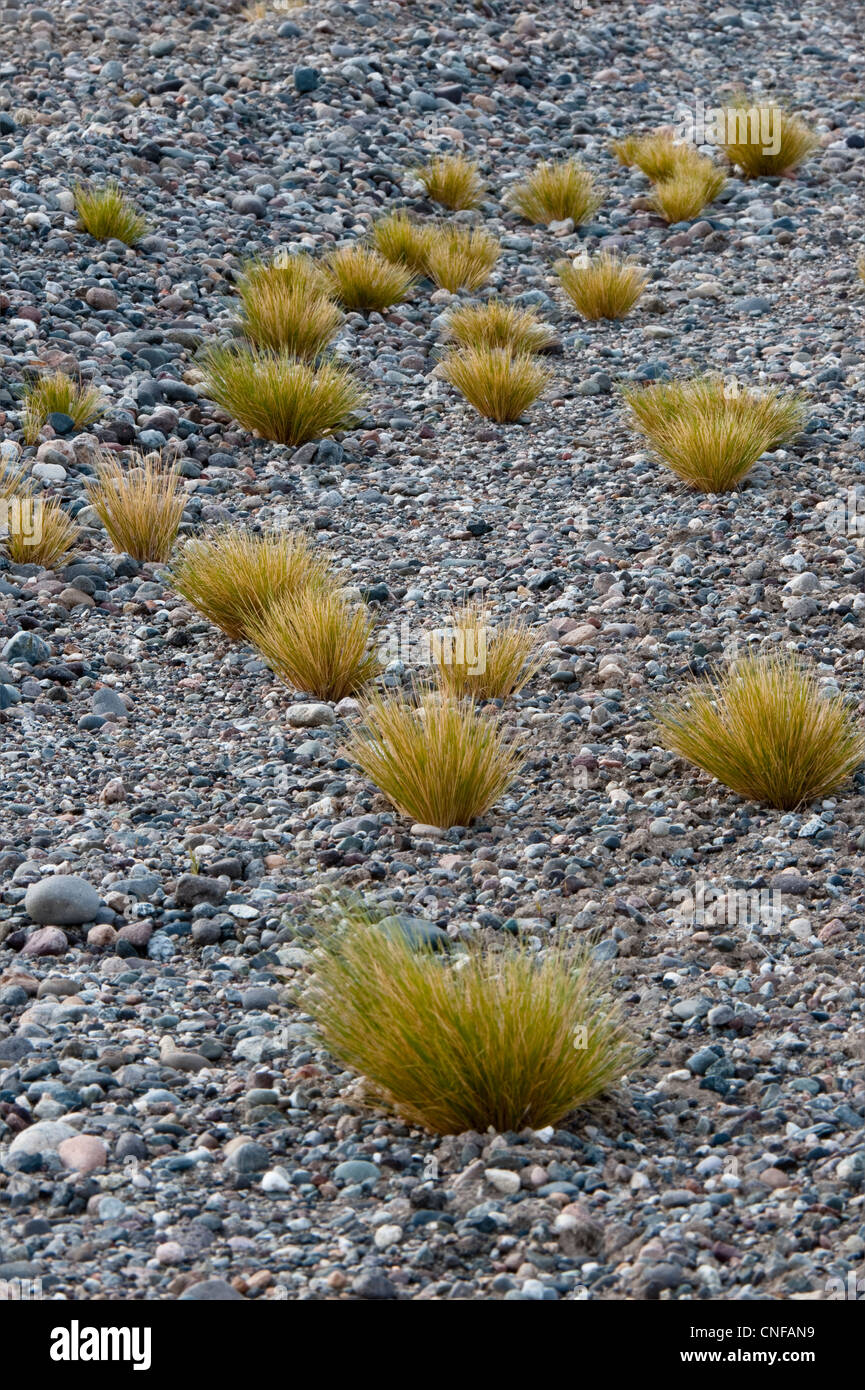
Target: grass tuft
(58, 394)
(507, 1039)
(606, 288)
(297, 318)
(294, 270)
(709, 435)
(363, 280)
(233, 577)
(318, 643)
(277, 397)
(402, 241)
(14, 481)
(474, 658)
(499, 384)
(140, 506)
(439, 761)
(497, 324)
(683, 196)
(461, 258)
(764, 141)
(765, 730)
(47, 538)
(554, 192)
(452, 180)
(658, 155)
(107, 214)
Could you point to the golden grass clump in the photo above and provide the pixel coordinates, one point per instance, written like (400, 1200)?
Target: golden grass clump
(499, 384)
(765, 730)
(692, 188)
(363, 280)
(659, 156)
(605, 288)
(276, 397)
(58, 394)
(318, 643)
(764, 141)
(507, 1039)
(140, 506)
(438, 762)
(233, 577)
(860, 267)
(554, 192)
(295, 270)
(497, 324)
(473, 658)
(45, 536)
(461, 258)
(709, 434)
(402, 241)
(107, 214)
(285, 317)
(452, 180)
(14, 481)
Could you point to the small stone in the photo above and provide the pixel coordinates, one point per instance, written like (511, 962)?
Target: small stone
(102, 935)
(387, 1235)
(178, 1060)
(357, 1170)
(136, 933)
(259, 997)
(45, 941)
(193, 889)
(306, 79)
(774, 1178)
(100, 296)
(113, 792)
(310, 716)
(108, 703)
(248, 1158)
(371, 1283)
(84, 1153)
(503, 1180)
(276, 1180)
(170, 1252)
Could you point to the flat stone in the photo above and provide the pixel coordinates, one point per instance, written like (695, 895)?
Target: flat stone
(310, 716)
(357, 1170)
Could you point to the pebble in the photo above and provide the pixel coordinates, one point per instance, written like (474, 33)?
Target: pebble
(84, 1153)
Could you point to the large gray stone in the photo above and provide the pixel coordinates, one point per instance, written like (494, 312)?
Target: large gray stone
(211, 1291)
(193, 889)
(62, 900)
(42, 1138)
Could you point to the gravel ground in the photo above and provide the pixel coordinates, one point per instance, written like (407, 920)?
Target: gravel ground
(167, 1128)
